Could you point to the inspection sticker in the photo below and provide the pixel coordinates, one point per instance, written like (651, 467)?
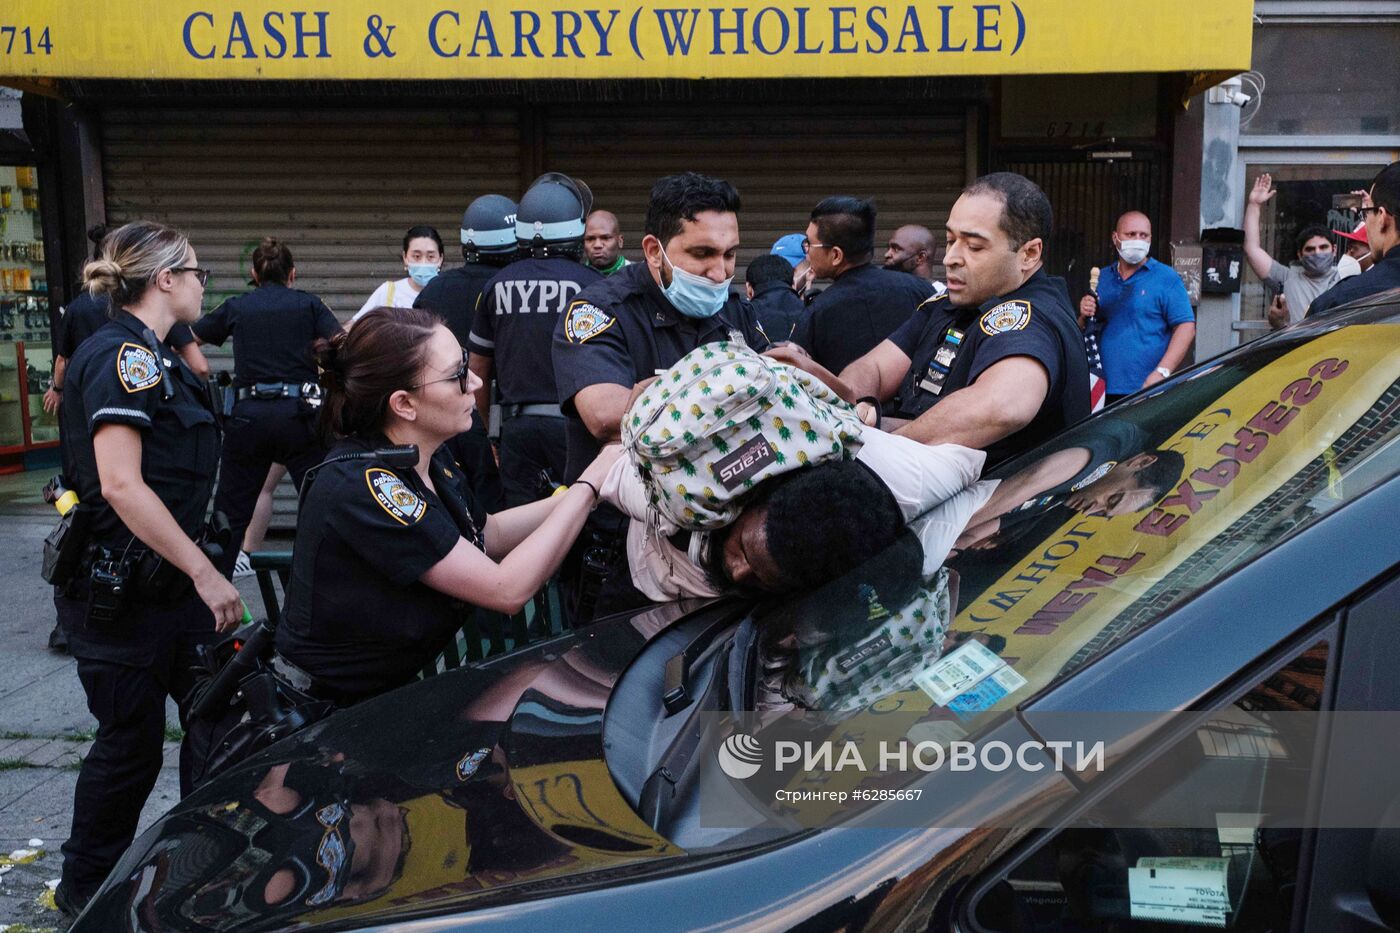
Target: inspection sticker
(1002, 682)
(1180, 890)
(959, 672)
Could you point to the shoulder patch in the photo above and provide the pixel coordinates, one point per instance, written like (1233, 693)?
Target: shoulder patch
(137, 367)
(585, 321)
(1007, 316)
(1099, 473)
(394, 496)
(932, 300)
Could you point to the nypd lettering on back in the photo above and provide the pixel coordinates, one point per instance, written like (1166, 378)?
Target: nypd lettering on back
(534, 296)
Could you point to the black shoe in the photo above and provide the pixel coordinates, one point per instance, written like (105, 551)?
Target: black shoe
(69, 902)
(58, 639)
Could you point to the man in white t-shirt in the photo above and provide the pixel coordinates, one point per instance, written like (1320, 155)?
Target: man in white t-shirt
(1298, 285)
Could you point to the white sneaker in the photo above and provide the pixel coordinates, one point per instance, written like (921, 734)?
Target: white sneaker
(242, 567)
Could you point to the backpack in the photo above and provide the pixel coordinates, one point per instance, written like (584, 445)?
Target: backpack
(724, 419)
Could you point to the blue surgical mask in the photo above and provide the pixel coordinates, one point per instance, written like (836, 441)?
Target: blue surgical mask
(422, 273)
(694, 295)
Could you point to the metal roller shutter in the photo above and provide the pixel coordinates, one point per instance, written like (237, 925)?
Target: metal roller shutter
(782, 160)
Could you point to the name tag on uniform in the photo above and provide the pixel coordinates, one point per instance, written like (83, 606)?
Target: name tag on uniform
(942, 362)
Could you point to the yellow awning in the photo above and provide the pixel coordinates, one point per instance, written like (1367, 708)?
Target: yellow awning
(568, 39)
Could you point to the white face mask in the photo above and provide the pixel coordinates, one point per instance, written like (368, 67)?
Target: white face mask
(1134, 252)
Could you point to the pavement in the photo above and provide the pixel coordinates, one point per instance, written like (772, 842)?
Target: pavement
(45, 727)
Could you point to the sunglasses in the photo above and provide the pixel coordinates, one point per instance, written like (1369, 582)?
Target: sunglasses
(201, 274)
(462, 376)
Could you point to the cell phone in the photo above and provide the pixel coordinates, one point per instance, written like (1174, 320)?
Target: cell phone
(1346, 202)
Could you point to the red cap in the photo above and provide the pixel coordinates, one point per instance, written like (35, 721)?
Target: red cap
(1359, 234)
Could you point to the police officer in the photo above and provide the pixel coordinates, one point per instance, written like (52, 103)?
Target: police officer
(488, 245)
(275, 395)
(515, 324)
(865, 303)
(622, 330)
(998, 363)
(143, 446)
(389, 539)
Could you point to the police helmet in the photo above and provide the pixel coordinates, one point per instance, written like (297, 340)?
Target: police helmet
(551, 216)
(488, 228)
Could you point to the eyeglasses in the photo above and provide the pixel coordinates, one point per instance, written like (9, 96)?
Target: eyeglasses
(201, 274)
(1363, 211)
(808, 246)
(462, 377)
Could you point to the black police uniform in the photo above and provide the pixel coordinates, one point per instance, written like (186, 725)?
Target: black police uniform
(621, 331)
(1383, 276)
(858, 311)
(358, 620)
(515, 325)
(455, 295)
(121, 375)
(273, 328)
(949, 347)
(780, 311)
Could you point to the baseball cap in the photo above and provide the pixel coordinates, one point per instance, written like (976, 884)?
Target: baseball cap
(1359, 234)
(790, 248)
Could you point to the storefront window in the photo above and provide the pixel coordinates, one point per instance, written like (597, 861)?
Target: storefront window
(26, 356)
(1326, 80)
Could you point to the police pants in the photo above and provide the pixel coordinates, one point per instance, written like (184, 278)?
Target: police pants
(259, 433)
(126, 682)
(472, 451)
(529, 444)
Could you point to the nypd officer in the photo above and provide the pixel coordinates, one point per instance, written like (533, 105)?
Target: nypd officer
(622, 330)
(143, 447)
(275, 395)
(514, 327)
(488, 245)
(998, 363)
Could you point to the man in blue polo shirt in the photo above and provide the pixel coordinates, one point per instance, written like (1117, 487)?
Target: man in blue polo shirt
(1148, 322)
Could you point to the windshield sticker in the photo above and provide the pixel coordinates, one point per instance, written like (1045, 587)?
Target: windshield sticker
(958, 672)
(1003, 682)
(1180, 890)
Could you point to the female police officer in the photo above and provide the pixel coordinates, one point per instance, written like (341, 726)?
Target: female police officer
(388, 541)
(272, 420)
(143, 447)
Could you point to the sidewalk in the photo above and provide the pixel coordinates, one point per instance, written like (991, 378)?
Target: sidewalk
(45, 727)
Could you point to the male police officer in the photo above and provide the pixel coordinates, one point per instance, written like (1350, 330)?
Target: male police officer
(998, 363)
(642, 319)
(488, 245)
(514, 328)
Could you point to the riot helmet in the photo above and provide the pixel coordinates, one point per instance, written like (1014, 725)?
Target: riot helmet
(488, 229)
(551, 217)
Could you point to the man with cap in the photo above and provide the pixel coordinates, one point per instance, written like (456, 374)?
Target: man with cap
(864, 303)
(1380, 209)
(602, 243)
(514, 327)
(789, 247)
(1356, 252)
(620, 331)
(488, 245)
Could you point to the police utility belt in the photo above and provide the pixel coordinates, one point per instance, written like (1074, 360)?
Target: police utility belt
(541, 408)
(275, 390)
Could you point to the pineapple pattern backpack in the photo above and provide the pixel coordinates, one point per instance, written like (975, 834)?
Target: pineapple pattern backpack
(724, 419)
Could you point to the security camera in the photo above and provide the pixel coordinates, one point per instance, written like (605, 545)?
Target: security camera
(1228, 93)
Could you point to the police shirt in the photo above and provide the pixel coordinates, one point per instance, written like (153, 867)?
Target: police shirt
(1381, 277)
(621, 331)
(858, 311)
(515, 323)
(116, 377)
(949, 347)
(273, 328)
(86, 315)
(780, 311)
(455, 296)
(357, 619)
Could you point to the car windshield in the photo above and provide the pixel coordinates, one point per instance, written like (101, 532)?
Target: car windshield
(1062, 554)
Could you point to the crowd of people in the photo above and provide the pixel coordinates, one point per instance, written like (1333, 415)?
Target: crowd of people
(410, 508)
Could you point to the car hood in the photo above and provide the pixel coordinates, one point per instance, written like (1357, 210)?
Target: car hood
(477, 785)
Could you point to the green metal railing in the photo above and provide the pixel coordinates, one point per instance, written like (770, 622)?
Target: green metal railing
(482, 634)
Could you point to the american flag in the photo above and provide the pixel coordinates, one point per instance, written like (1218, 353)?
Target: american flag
(1098, 388)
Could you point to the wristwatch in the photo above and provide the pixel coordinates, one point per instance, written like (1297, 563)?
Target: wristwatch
(1164, 372)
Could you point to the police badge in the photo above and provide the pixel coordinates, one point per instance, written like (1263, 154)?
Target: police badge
(137, 367)
(402, 504)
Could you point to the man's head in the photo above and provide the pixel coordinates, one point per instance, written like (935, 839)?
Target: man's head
(1382, 211)
(911, 250)
(805, 528)
(602, 239)
(996, 237)
(1131, 486)
(692, 224)
(1355, 242)
(767, 270)
(840, 235)
(789, 246)
(1315, 250)
(1132, 238)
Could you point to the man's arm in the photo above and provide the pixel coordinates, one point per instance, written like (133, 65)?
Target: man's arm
(878, 373)
(1183, 335)
(1004, 399)
(194, 359)
(53, 396)
(601, 406)
(1260, 261)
